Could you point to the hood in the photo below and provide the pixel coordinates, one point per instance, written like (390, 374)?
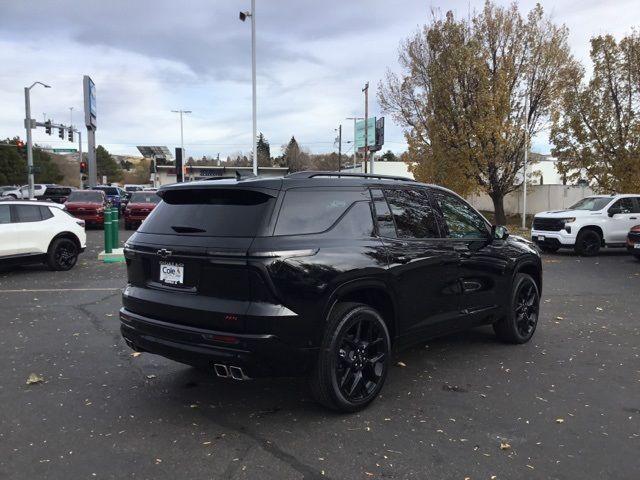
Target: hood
(137, 206)
(567, 213)
(83, 205)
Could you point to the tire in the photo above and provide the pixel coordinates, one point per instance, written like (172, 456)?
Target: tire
(62, 254)
(549, 249)
(353, 360)
(588, 243)
(12, 196)
(521, 320)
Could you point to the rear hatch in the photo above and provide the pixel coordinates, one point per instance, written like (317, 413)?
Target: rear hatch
(187, 264)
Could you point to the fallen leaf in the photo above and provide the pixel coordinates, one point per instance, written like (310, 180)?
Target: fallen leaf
(151, 376)
(34, 378)
(559, 318)
(504, 446)
(559, 420)
(136, 354)
(599, 309)
(401, 364)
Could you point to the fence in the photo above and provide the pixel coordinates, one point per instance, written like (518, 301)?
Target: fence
(539, 198)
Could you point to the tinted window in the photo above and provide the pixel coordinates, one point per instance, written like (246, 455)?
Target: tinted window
(5, 214)
(313, 211)
(148, 197)
(28, 213)
(108, 190)
(356, 223)
(412, 213)
(45, 213)
(85, 196)
(626, 204)
(212, 212)
(384, 219)
(460, 219)
(57, 191)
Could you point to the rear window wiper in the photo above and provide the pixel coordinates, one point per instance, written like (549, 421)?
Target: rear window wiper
(181, 229)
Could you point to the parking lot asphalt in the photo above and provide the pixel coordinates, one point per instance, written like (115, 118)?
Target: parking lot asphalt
(564, 406)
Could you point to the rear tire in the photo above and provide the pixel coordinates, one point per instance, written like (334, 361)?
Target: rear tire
(521, 320)
(353, 360)
(588, 243)
(62, 254)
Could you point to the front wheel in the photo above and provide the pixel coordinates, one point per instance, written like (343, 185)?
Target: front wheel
(62, 255)
(353, 360)
(521, 320)
(588, 243)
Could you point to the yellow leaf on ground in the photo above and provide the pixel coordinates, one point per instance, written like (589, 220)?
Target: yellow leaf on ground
(34, 378)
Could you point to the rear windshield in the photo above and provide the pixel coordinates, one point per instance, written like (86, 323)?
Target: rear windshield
(108, 190)
(145, 197)
(58, 191)
(210, 212)
(591, 203)
(85, 196)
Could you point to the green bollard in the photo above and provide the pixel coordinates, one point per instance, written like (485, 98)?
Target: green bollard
(115, 227)
(108, 236)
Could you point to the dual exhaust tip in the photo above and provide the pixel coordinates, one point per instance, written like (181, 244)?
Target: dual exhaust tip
(223, 371)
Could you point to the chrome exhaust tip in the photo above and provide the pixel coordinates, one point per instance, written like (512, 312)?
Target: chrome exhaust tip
(237, 373)
(221, 370)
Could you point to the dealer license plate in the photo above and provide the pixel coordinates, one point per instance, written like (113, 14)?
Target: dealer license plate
(172, 273)
(540, 238)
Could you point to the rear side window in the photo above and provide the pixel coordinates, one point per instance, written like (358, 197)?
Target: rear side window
(412, 212)
(214, 212)
(313, 211)
(5, 214)
(28, 213)
(45, 213)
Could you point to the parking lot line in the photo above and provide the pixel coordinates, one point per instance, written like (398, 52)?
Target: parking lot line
(26, 290)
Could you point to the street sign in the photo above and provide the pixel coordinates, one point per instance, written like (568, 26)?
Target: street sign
(371, 134)
(65, 150)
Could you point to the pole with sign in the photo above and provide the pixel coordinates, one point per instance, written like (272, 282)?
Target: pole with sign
(90, 115)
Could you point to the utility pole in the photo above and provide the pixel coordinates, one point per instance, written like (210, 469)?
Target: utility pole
(366, 126)
(28, 125)
(80, 152)
(526, 157)
(71, 116)
(181, 129)
(339, 147)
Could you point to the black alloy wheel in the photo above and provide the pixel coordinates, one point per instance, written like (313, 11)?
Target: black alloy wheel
(353, 362)
(63, 254)
(520, 322)
(588, 243)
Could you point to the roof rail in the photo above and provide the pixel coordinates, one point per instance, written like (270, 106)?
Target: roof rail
(314, 174)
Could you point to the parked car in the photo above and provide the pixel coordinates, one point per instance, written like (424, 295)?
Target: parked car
(317, 275)
(88, 205)
(139, 207)
(23, 192)
(114, 195)
(6, 188)
(56, 193)
(34, 232)
(633, 241)
(592, 223)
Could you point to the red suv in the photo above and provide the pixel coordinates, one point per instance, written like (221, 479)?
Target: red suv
(88, 205)
(633, 241)
(139, 206)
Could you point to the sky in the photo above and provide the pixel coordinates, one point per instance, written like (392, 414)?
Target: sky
(150, 57)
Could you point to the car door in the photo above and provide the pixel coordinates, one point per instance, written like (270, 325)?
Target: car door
(483, 265)
(423, 269)
(29, 227)
(624, 214)
(9, 236)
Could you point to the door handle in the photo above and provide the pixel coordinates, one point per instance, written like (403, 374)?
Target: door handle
(633, 218)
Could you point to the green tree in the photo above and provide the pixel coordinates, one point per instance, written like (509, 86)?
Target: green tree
(294, 157)
(107, 166)
(264, 151)
(597, 133)
(46, 171)
(388, 156)
(13, 168)
(461, 96)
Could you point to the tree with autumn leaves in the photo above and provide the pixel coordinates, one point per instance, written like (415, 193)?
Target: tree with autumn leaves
(461, 95)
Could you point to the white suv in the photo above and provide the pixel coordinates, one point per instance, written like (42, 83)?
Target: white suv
(23, 192)
(33, 232)
(592, 223)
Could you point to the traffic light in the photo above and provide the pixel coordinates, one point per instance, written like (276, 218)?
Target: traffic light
(70, 135)
(47, 127)
(22, 148)
(61, 132)
(83, 167)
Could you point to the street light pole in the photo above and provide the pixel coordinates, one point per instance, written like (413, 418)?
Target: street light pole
(181, 130)
(366, 126)
(339, 147)
(355, 146)
(526, 157)
(243, 17)
(28, 125)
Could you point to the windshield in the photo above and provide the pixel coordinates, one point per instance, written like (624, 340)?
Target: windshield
(591, 203)
(144, 197)
(108, 190)
(86, 196)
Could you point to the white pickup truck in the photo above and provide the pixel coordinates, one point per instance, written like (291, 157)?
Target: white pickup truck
(592, 223)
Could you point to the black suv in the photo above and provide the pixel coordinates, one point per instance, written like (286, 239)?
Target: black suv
(321, 274)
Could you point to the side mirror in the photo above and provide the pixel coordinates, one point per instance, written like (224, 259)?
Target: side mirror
(499, 232)
(614, 210)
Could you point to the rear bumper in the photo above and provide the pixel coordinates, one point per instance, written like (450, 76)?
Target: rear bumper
(258, 355)
(553, 239)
